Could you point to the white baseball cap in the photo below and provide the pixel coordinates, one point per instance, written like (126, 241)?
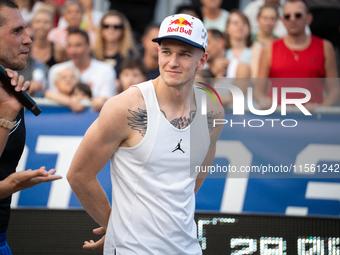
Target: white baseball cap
(185, 28)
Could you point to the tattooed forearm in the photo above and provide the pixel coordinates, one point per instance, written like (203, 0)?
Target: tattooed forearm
(139, 121)
(210, 118)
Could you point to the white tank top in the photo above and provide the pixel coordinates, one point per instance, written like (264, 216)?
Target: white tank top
(153, 200)
(232, 68)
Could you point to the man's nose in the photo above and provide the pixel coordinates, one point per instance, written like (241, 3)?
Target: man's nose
(174, 60)
(26, 40)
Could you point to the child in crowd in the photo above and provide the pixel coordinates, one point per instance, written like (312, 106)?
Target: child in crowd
(65, 81)
(81, 92)
(132, 72)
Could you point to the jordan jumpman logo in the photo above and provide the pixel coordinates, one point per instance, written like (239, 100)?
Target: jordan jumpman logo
(178, 147)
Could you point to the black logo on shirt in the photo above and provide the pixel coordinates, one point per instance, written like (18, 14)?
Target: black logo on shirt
(178, 147)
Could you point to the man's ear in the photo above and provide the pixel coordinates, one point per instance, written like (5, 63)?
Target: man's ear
(309, 18)
(282, 20)
(159, 52)
(143, 40)
(202, 62)
(222, 43)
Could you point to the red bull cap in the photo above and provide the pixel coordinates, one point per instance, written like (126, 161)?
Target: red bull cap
(185, 28)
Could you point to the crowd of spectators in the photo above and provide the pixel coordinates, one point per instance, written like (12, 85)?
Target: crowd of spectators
(79, 53)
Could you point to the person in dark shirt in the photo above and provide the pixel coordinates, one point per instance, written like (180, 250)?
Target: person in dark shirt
(150, 51)
(139, 13)
(14, 45)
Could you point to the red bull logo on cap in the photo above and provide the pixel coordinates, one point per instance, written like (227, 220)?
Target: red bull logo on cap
(181, 22)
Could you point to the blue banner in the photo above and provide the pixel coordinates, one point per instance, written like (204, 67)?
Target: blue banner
(289, 167)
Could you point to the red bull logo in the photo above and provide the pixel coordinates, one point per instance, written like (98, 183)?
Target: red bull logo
(181, 22)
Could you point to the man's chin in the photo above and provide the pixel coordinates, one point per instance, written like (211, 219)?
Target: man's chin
(21, 66)
(174, 84)
(17, 66)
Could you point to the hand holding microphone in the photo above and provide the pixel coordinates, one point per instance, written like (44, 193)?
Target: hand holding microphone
(21, 96)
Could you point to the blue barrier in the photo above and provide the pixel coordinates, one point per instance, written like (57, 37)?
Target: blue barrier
(53, 137)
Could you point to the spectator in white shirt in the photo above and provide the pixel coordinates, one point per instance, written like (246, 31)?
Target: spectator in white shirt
(98, 75)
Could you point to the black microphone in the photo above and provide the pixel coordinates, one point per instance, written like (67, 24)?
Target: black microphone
(22, 96)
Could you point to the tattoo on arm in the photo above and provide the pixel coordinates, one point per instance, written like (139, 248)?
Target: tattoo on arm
(138, 121)
(210, 118)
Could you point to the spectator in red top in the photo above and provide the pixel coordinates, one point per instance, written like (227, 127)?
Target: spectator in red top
(56, 2)
(298, 55)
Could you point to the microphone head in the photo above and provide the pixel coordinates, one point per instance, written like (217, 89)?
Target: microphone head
(36, 110)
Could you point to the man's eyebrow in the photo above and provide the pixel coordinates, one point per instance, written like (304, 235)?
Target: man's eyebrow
(182, 51)
(18, 27)
(187, 51)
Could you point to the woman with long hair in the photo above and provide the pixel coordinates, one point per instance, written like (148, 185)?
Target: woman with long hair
(27, 8)
(114, 40)
(267, 18)
(238, 37)
(42, 49)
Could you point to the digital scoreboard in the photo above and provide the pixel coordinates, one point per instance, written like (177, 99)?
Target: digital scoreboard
(267, 235)
(64, 232)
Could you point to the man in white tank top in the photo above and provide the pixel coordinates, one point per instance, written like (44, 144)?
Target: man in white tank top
(154, 133)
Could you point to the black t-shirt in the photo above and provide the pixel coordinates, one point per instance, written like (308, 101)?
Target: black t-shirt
(114, 61)
(117, 60)
(8, 163)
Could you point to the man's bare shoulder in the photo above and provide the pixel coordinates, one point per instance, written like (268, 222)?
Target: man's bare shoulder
(132, 98)
(328, 48)
(115, 114)
(330, 60)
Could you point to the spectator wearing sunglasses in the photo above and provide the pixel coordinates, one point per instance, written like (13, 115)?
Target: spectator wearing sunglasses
(298, 55)
(252, 10)
(114, 40)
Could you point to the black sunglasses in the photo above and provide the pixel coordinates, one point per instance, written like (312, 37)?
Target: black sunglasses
(106, 26)
(297, 16)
